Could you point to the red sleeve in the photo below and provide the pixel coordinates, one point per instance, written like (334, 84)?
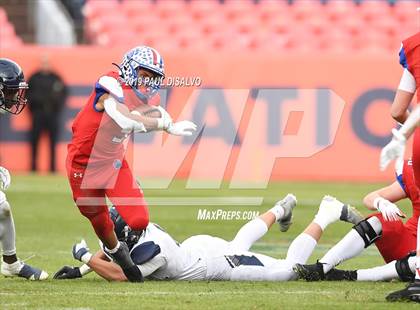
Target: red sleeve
(409, 183)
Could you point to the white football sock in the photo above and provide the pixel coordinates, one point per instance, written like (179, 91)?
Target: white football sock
(350, 246)
(248, 234)
(278, 211)
(382, 273)
(7, 229)
(114, 250)
(301, 249)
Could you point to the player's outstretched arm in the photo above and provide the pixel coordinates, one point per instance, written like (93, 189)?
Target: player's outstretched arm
(106, 269)
(383, 200)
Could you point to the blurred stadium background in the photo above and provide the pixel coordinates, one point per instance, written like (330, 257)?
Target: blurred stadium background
(239, 49)
(349, 47)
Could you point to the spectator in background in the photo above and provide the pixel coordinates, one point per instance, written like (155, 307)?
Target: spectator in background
(47, 95)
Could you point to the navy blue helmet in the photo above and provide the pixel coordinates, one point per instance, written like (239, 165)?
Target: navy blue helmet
(12, 87)
(122, 230)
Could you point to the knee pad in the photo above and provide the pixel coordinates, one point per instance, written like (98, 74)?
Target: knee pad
(5, 209)
(403, 268)
(367, 232)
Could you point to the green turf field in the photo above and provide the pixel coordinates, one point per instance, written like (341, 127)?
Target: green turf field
(48, 224)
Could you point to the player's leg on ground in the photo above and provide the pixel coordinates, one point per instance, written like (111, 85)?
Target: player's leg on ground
(303, 245)
(249, 266)
(330, 211)
(11, 266)
(412, 291)
(361, 236)
(258, 227)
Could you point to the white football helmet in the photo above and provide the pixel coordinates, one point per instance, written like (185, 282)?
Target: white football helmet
(141, 57)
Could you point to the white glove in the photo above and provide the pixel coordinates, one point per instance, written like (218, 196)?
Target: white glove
(5, 178)
(165, 120)
(393, 150)
(81, 252)
(182, 128)
(390, 212)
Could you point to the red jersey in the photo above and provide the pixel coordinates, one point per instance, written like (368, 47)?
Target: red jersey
(95, 130)
(408, 183)
(410, 58)
(97, 138)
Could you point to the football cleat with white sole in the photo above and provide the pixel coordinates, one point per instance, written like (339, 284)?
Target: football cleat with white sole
(22, 270)
(288, 203)
(410, 293)
(335, 210)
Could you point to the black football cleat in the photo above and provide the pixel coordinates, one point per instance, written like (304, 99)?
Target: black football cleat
(314, 272)
(341, 275)
(122, 258)
(410, 293)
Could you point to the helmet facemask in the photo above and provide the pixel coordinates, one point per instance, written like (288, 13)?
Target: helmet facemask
(123, 232)
(140, 59)
(12, 99)
(130, 237)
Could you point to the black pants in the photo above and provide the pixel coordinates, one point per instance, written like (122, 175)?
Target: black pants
(40, 123)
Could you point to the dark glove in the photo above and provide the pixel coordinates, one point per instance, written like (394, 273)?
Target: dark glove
(68, 272)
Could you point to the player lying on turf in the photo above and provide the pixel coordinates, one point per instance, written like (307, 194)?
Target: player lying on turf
(96, 164)
(394, 239)
(12, 100)
(202, 257)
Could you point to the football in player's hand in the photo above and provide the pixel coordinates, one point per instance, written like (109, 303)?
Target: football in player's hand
(147, 110)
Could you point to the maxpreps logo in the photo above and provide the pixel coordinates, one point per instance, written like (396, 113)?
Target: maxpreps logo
(225, 215)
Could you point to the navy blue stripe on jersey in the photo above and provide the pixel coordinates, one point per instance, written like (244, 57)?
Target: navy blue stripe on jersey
(99, 91)
(401, 182)
(144, 252)
(243, 260)
(403, 59)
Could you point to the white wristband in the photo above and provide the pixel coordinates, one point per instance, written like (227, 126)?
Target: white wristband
(84, 270)
(86, 258)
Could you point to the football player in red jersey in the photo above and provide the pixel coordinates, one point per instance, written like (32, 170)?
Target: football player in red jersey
(12, 100)
(410, 83)
(96, 165)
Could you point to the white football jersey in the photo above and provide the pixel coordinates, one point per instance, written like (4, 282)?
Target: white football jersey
(179, 262)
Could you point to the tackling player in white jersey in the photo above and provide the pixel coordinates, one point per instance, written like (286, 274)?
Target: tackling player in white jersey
(203, 257)
(12, 100)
